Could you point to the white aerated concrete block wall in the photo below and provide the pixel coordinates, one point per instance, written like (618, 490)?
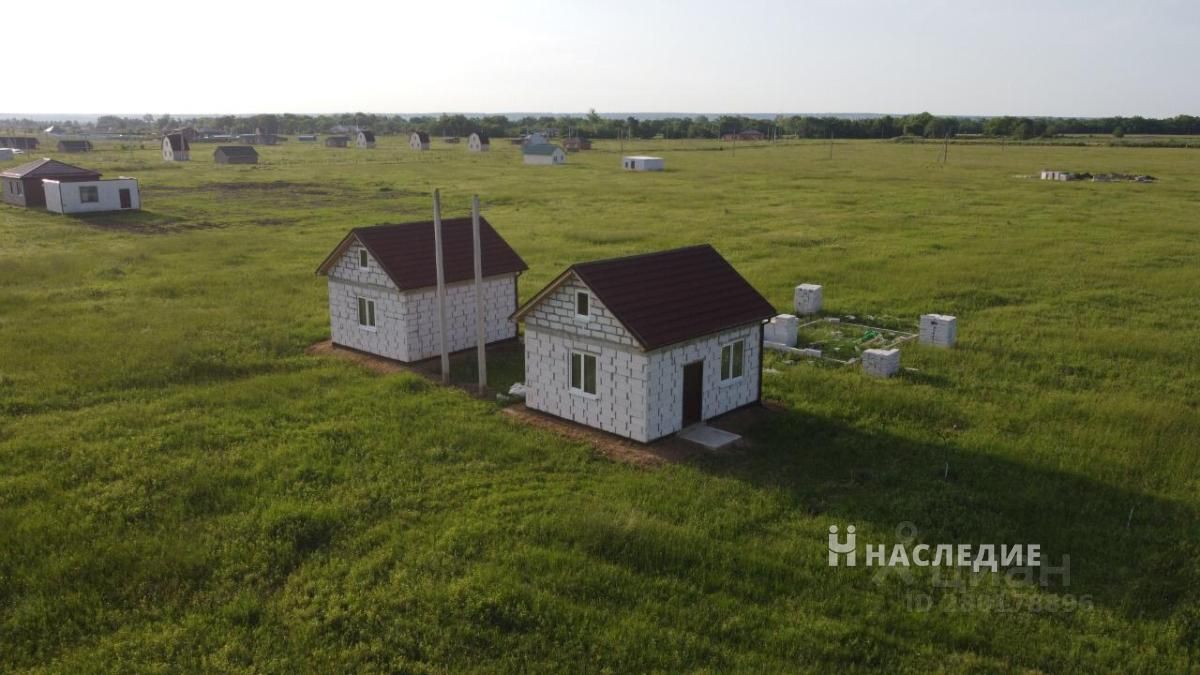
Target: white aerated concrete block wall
(939, 330)
(665, 409)
(881, 362)
(807, 299)
(619, 405)
(783, 329)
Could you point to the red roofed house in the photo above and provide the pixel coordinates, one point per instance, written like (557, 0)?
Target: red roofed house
(23, 184)
(383, 288)
(646, 345)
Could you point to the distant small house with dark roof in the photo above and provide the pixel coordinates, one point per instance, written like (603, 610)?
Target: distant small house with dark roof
(748, 135)
(235, 154)
(577, 143)
(478, 142)
(418, 140)
(307, 138)
(383, 288)
(74, 146)
(646, 345)
(366, 139)
(544, 153)
(23, 184)
(176, 148)
(19, 142)
(337, 141)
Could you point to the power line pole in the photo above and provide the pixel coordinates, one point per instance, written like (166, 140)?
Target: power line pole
(441, 283)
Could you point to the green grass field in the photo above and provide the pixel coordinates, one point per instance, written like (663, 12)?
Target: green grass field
(183, 489)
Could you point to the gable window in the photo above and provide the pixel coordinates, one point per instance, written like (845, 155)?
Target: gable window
(366, 314)
(363, 259)
(733, 360)
(583, 304)
(89, 194)
(583, 373)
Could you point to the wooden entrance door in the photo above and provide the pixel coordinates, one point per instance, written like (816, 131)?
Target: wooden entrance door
(693, 392)
(126, 198)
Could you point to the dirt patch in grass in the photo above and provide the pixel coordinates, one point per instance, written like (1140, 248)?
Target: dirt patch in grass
(272, 186)
(141, 222)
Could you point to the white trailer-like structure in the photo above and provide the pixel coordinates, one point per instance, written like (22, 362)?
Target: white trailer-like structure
(92, 196)
(642, 163)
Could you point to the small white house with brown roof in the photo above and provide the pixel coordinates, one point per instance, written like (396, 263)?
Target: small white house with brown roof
(365, 139)
(176, 148)
(646, 345)
(418, 140)
(478, 142)
(383, 288)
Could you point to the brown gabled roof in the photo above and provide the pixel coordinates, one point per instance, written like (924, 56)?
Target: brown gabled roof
(424, 136)
(671, 296)
(236, 151)
(406, 252)
(49, 168)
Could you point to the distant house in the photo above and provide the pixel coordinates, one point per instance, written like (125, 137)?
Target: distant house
(19, 142)
(382, 288)
(534, 139)
(418, 140)
(337, 141)
(260, 138)
(1050, 174)
(190, 133)
(6, 154)
(23, 184)
(176, 148)
(544, 154)
(748, 135)
(366, 139)
(307, 138)
(235, 154)
(646, 345)
(74, 146)
(642, 163)
(478, 142)
(577, 143)
(92, 196)
(451, 139)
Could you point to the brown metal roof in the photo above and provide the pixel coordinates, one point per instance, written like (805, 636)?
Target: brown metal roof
(179, 142)
(236, 151)
(406, 251)
(671, 296)
(49, 168)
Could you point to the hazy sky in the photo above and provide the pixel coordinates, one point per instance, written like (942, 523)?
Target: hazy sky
(1086, 58)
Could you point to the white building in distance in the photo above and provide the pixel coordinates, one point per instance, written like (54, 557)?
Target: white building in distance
(383, 288)
(175, 148)
(92, 196)
(478, 142)
(646, 345)
(418, 140)
(642, 163)
(544, 154)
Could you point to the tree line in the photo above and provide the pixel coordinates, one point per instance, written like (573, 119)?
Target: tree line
(594, 125)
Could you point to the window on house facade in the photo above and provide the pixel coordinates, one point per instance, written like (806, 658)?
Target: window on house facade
(583, 304)
(733, 360)
(363, 259)
(583, 373)
(366, 313)
(89, 194)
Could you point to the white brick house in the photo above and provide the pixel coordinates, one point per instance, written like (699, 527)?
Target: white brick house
(175, 148)
(478, 142)
(418, 140)
(628, 345)
(383, 289)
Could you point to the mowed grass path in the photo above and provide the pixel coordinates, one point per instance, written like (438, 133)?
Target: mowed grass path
(182, 489)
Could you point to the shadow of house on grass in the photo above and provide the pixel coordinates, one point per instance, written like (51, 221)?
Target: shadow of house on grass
(844, 475)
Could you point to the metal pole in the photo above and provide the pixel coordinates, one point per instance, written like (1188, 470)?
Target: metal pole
(441, 283)
(480, 337)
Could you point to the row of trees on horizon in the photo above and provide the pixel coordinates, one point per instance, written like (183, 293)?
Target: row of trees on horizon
(594, 125)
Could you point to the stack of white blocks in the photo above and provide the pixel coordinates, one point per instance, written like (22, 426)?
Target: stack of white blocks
(939, 330)
(807, 299)
(881, 362)
(783, 330)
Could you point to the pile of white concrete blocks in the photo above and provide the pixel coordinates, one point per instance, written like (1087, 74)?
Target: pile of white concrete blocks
(881, 362)
(782, 329)
(807, 299)
(939, 330)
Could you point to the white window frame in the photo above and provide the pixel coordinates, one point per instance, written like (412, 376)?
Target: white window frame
(366, 310)
(588, 314)
(733, 347)
(364, 259)
(581, 390)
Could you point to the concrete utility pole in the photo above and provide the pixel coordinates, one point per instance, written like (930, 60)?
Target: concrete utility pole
(441, 283)
(946, 148)
(480, 333)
